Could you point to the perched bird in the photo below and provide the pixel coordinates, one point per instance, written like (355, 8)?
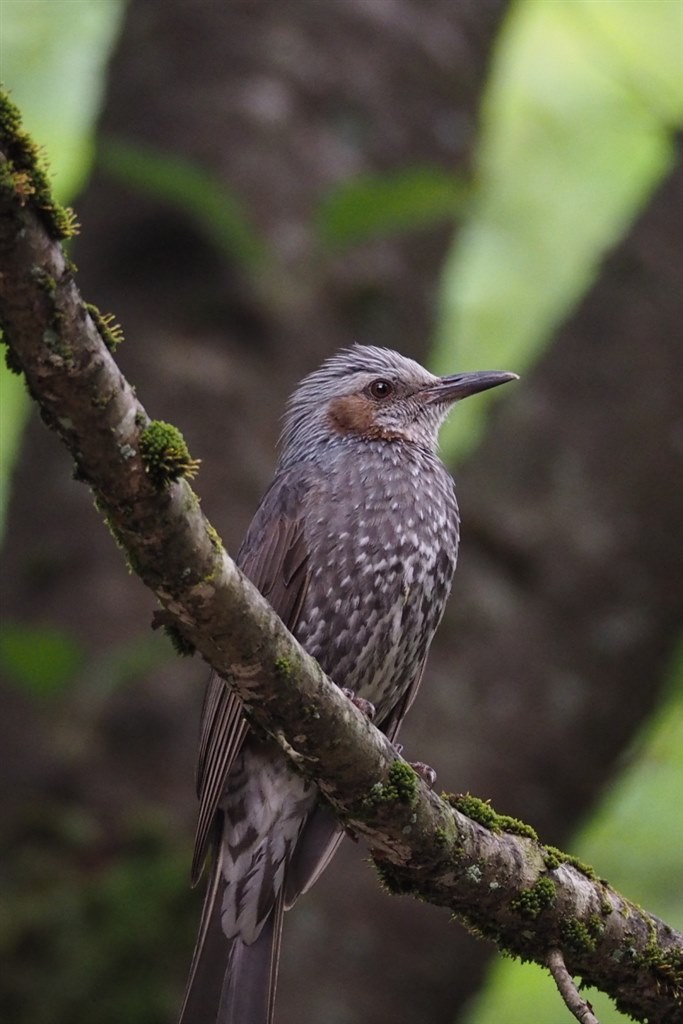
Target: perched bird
(354, 544)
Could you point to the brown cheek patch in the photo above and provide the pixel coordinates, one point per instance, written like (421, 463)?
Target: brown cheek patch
(352, 414)
(355, 414)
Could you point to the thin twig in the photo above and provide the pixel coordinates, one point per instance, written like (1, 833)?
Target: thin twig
(566, 986)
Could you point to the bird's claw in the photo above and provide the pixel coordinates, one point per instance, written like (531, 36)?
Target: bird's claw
(366, 707)
(425, 771)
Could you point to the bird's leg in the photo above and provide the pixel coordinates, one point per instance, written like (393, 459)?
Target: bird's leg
(366, 707)
(425, 771)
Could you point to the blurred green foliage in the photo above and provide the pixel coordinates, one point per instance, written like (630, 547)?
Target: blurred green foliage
(52, 59)
(14, 410)
(93, 918)
(385, 204)
(579, 124)
(366, 207)
(46, 661)
(40, 659)
(216, 210)
(634, 839)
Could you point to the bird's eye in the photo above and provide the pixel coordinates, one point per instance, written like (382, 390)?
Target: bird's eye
(381, 389)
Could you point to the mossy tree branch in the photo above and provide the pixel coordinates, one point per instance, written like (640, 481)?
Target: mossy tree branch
(490, 871)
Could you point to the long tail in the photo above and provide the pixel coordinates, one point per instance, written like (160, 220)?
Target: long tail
(230, 982)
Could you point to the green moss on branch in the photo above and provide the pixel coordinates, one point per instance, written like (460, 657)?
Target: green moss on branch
(165, 454)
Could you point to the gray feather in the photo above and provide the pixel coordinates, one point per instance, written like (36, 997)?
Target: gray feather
(354, 545)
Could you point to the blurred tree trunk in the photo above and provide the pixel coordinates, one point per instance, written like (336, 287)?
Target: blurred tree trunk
(280, 102)
(569, 589)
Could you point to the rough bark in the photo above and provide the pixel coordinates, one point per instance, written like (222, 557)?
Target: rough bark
(491, 871)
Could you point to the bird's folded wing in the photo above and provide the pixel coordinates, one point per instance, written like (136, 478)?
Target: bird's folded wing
(274, 557)
(392, 722)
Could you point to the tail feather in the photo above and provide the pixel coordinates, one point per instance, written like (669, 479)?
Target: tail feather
(230, 982)
(248, 994)
(317, 845)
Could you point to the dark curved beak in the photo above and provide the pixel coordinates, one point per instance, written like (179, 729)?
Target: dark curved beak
(462, 385)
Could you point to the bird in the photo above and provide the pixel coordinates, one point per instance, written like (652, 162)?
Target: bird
(354, 544)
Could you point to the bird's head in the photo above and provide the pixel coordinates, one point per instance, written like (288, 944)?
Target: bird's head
(376, 394)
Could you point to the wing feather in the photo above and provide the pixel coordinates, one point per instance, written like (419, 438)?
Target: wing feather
(392, 723)
(274, 557)
(222, 733)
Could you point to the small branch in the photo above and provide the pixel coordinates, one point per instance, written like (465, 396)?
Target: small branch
(582, 1010)
(489, 870)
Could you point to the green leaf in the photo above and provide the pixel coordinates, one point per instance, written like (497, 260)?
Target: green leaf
(188, 187)
(385, 204)
(42, 660)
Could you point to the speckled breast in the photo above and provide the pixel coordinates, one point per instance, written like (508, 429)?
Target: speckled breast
(383, 527)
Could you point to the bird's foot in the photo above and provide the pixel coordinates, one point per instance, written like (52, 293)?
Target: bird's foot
(425, 771)
(366, 707)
